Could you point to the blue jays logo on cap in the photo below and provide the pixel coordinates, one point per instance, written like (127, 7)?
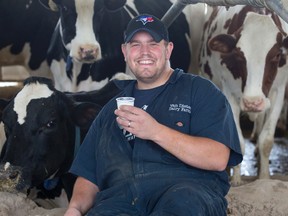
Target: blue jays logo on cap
(145, 19)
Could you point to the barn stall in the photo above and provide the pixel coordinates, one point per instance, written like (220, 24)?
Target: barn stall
(279, 167)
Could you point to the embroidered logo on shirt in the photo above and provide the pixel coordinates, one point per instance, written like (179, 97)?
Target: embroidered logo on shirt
(180, 108)
(129, 136)
(144, 107)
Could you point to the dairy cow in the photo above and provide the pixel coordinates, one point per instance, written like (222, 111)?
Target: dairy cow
(26, 29)
(86, 47)
(244, 52)
(44, 128)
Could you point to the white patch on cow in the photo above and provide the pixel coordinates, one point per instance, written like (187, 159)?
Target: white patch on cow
(6, 166)
(28, 93)
(62, 82)
(85, 36)
(195, 15)
(2, 135)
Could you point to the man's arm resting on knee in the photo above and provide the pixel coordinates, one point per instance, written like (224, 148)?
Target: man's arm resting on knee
(84, 193)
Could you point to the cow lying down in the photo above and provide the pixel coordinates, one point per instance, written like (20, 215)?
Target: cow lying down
(43, 128)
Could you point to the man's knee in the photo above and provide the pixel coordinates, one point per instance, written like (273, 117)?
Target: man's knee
(190, 200)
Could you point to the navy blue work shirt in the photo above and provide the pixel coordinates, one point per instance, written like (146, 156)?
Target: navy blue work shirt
(188, 103)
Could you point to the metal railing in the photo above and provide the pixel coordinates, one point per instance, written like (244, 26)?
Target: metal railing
(280, 7)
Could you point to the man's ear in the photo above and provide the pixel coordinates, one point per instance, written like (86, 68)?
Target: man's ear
(170, 47)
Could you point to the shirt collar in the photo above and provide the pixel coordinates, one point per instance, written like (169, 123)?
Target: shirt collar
(128, 85)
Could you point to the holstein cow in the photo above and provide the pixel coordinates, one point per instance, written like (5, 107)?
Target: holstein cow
(245, 52)
(44, 128)
(86, 48)
(26, 29)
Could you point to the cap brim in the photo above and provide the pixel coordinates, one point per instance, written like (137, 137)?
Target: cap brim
(155, 36)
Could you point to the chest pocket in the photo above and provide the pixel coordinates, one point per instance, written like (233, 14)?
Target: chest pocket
(176, 119)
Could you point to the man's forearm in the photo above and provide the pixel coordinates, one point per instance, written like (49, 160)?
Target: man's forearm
(199, 152)
(83, 197)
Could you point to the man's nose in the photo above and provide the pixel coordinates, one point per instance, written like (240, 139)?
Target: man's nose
(144, 48)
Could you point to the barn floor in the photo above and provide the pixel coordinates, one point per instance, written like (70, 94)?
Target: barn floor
(278, 159)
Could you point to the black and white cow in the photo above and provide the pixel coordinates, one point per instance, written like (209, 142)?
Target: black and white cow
(26, 29)
(86, 48)
(44, 128)
(244, 52)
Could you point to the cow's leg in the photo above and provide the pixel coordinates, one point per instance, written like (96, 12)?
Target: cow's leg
(236, 178)
(282, 121)
(257, 127)
(266, 138)
(62, 81)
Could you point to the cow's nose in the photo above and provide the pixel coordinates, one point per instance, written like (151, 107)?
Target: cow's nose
(88, 52)
(253, 104)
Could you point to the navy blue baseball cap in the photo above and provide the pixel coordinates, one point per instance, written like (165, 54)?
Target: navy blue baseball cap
(148, 23)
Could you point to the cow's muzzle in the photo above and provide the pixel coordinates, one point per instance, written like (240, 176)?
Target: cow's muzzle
(11, 178)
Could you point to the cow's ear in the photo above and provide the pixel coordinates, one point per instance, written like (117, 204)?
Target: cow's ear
(223, 43)
(113, 5)
(84, 113)
(49, 4)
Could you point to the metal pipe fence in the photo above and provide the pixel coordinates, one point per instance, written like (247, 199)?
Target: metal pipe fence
(280, 7)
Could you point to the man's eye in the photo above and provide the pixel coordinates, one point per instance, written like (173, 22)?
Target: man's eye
(152, 45)
(134, 44)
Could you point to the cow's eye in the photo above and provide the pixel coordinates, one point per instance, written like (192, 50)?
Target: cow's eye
(51, 124)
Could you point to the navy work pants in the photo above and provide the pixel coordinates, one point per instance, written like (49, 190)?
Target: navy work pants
(161, 197)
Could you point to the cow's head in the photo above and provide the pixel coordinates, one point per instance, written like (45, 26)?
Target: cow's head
(80, 23)
(40, 125)
(253, 53)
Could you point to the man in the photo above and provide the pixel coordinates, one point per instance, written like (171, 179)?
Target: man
(170, 156)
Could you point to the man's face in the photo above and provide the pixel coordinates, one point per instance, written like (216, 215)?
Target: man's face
(146, 58)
